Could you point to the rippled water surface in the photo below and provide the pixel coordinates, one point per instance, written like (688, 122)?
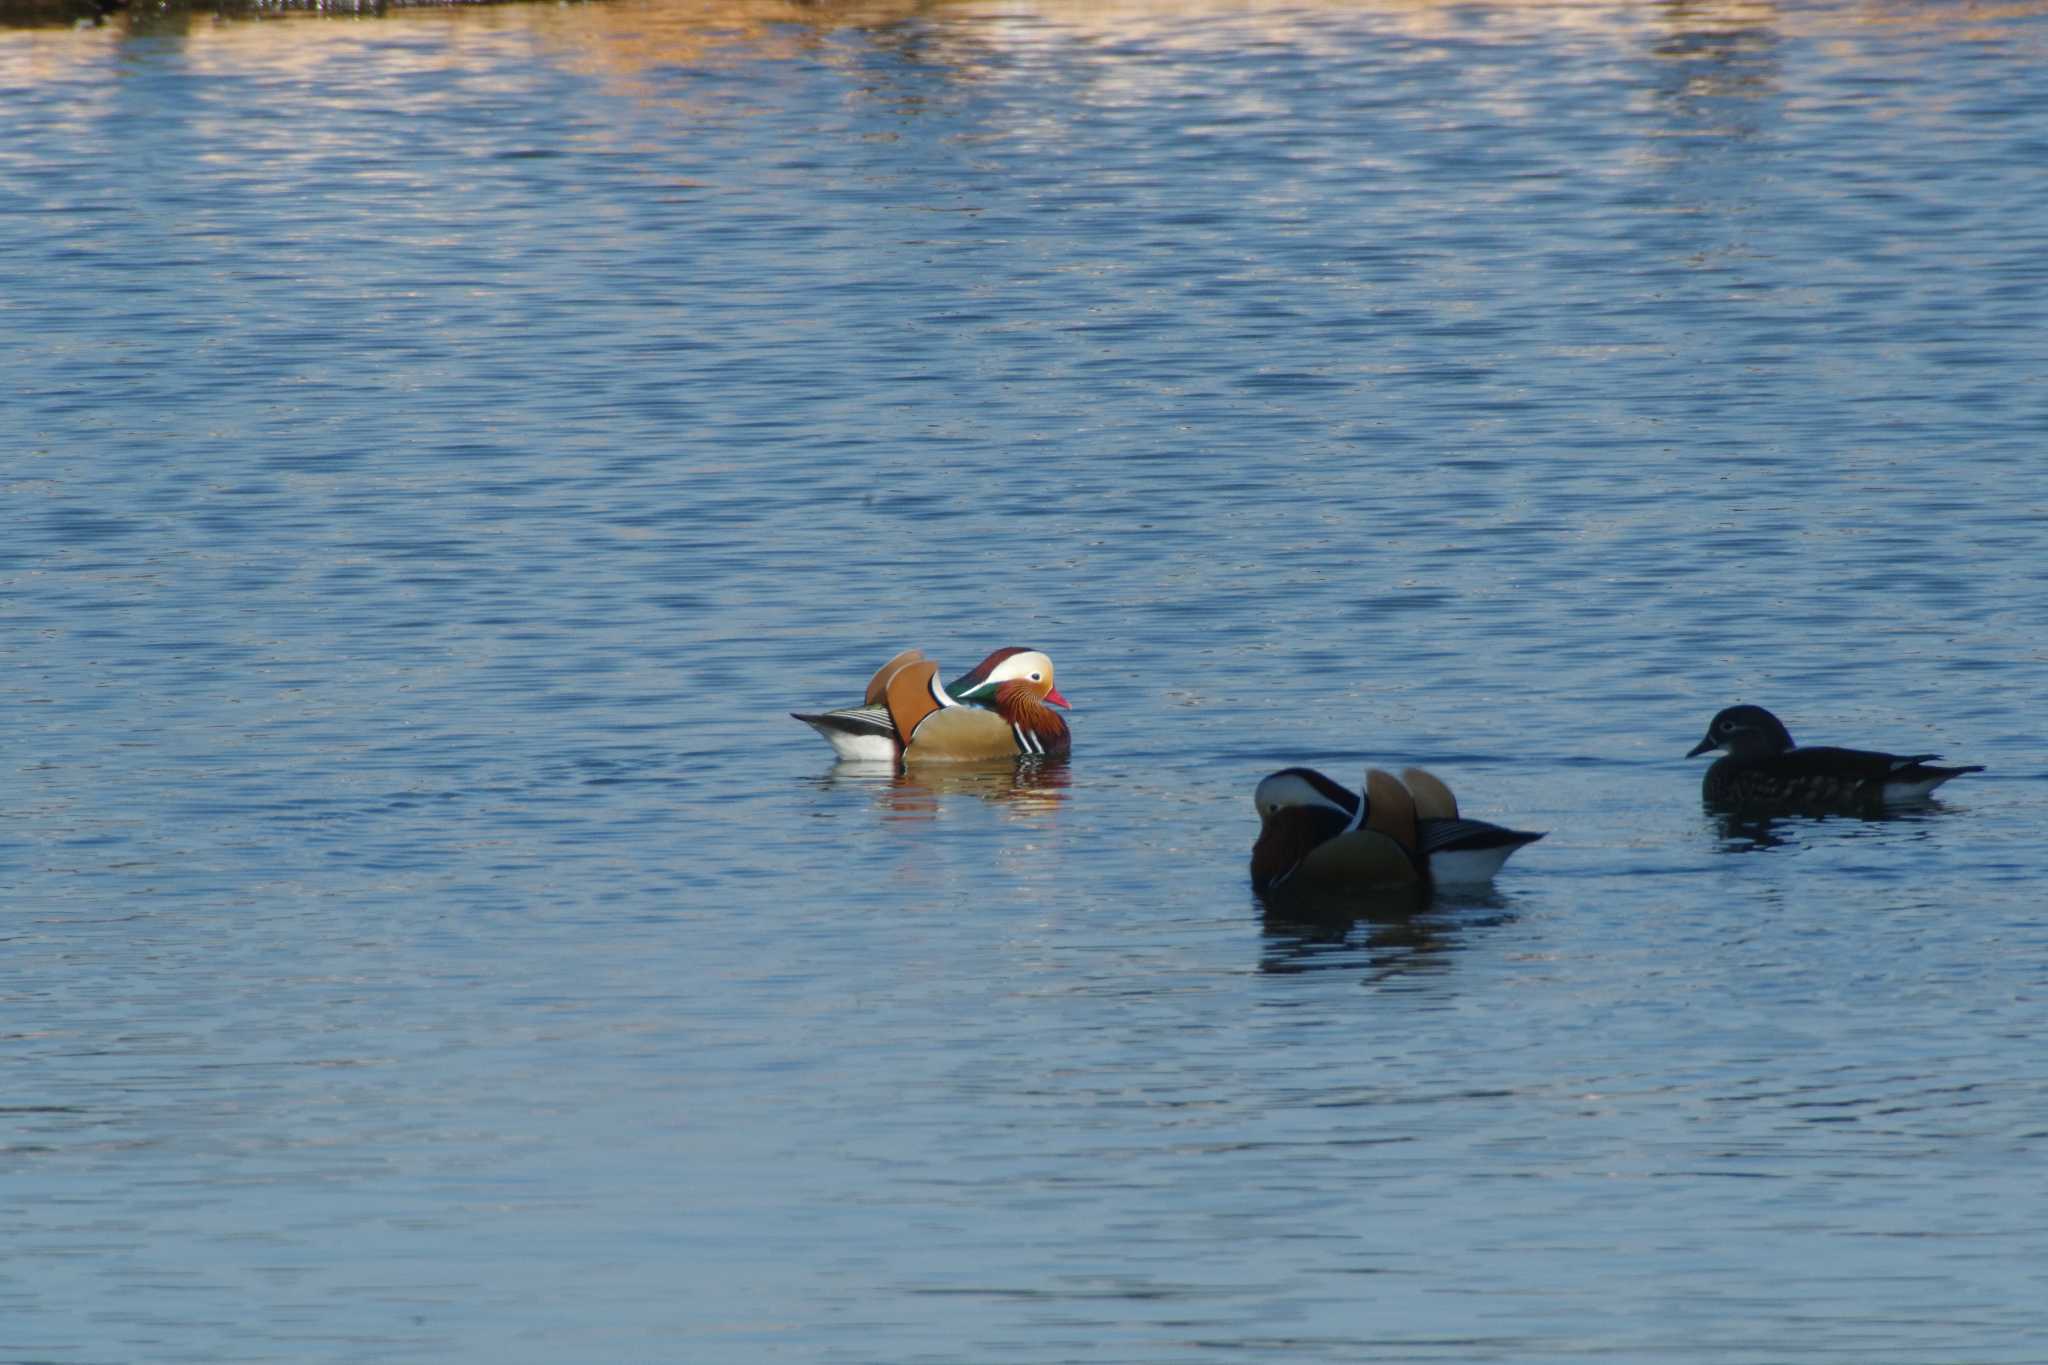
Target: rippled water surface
(437, 450)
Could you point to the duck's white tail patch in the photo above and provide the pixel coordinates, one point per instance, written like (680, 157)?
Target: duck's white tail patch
(1898, 793)
(861, 748)
(1466, 867)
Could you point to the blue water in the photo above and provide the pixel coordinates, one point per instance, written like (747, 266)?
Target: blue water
(438, 449)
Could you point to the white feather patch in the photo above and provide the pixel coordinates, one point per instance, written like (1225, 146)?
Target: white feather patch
(1899, 793)
(1467, 866)
(861, 748)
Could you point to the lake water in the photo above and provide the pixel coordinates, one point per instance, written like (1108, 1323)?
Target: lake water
(438, 449)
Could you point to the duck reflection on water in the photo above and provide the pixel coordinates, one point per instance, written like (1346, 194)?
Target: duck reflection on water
(1029, 787)
(1399, 931)
(1749, 831)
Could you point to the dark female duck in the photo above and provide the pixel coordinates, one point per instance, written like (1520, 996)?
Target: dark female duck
(1398, 831)
(1763, 767)
(999, 709)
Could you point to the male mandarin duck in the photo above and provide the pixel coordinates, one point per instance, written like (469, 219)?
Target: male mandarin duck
(1405, 830)
(1763, 767)
(1001, 708)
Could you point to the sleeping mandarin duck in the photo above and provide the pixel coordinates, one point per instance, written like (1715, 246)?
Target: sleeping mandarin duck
(1405, 830)
(1001, 708)
(1762, 767)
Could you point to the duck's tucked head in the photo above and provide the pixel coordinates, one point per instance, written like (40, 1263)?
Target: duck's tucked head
(1302, 789)
(1299, 809)
(1028, 668)
(1745, 731)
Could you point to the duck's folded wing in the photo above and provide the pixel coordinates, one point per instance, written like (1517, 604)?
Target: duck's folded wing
(1433, 799)
(1826, 763)
(1445, 836)
(1389, 807)
(878, 686)
(911, 694)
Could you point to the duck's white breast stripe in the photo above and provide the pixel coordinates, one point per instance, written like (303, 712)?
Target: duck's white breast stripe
(1357, 816)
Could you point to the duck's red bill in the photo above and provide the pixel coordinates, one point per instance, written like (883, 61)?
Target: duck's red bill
(1052, 694)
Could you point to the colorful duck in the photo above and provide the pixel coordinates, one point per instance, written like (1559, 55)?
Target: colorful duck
(999, 709)
(1763, 767)
(1399, 831)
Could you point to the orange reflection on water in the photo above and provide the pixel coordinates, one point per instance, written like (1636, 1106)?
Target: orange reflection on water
(1031, 790)
(628, 42)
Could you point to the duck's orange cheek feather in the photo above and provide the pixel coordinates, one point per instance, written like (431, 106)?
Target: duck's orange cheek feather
(1286, 839)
